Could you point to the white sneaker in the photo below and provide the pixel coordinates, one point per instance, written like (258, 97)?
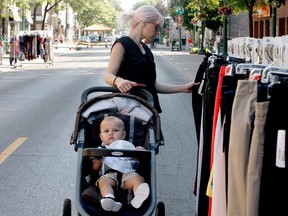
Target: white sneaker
(109, 204)
(141, 194)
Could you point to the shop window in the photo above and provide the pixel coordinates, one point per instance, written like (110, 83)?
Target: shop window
(281, 28)
(287, 26)
(256, 29)
(261, 29)
(267, 28)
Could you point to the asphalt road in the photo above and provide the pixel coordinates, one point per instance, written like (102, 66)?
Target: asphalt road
(37, 113)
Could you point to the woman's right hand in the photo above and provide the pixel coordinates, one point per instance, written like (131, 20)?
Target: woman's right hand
(125, 86)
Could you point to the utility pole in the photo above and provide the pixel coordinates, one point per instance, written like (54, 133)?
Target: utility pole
(201, 51)
(225, 41)
(23, 19)
(273, 21)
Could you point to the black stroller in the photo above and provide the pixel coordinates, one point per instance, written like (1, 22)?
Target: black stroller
(142, 124)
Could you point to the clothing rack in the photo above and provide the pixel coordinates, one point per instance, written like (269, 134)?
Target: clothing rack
(241, 117)
(41, 49)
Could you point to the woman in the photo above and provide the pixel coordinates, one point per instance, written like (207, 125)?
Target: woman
(217, 42)
(132, 62)
(14, 51)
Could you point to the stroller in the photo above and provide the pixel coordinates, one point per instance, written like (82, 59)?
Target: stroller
(142, 125)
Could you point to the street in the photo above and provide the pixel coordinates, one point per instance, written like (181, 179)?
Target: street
(37, 113)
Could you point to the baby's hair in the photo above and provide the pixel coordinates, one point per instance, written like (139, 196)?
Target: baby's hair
(118, 121)
(145, 13)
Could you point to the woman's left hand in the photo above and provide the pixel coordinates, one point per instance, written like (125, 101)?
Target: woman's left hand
(189, 86)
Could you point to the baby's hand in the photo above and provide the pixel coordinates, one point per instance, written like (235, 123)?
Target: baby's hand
(139, 148)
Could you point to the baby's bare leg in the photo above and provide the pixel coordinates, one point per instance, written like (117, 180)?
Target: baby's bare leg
(106, 186)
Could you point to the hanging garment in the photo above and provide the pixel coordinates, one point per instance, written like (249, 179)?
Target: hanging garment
(274, 187)
(255, 160)
(215, 138)
(196, 96)
(208, 107)
(243, 112)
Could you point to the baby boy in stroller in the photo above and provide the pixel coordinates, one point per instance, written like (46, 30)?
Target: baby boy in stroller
(112, 134)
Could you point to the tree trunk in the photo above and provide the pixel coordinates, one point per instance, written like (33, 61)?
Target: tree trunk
(45, 14)
(35, 14)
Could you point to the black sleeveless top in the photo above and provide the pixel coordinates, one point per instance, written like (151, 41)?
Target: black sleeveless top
(139, 67)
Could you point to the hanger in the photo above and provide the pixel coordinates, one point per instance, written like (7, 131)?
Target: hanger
(275, 77)
(242, 68)
(268, 52)
(259, 51)
(283, 53)
(268, 71)
(211, 61)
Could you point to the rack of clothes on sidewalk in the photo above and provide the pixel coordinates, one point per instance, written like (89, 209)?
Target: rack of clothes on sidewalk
(241, 121)
(31, 45)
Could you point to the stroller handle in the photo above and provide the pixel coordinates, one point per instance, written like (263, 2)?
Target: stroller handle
(148, 103)
(135, 91)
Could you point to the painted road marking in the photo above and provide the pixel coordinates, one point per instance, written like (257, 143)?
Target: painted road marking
(8, 151)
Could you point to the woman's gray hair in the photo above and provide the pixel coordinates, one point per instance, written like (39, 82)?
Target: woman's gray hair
(144, 13)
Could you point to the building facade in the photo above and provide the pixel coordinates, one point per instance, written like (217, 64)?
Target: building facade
(58, 23)
(262, 20)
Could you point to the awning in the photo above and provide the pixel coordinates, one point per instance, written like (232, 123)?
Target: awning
(97, 28)
(15, 13)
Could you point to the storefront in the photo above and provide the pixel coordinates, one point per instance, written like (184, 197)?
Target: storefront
(262, 20)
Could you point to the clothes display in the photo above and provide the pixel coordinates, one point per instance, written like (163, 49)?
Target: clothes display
(241, 127)
(30, 45)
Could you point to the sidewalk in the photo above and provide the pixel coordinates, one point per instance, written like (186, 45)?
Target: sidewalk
(5, 66)
(60, 50)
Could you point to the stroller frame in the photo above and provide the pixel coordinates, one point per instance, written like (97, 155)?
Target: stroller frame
(78, 140)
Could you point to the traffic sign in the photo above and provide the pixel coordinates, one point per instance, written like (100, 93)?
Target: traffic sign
(179, 10)
(179, 19)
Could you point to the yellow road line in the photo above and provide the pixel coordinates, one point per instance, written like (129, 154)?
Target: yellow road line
(8, 151)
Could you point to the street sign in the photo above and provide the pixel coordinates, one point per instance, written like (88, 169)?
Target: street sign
(179, 10)
(179, 19)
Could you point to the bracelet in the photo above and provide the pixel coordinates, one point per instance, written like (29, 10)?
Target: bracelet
(113, 83)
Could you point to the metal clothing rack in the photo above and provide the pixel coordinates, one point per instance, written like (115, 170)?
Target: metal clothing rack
(49, 36)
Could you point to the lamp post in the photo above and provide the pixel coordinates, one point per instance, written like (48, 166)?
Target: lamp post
(273, 27)
(225, 41)
(274, 5)
(23, 19)
(201, 51)
(168, 18)
(225, 11)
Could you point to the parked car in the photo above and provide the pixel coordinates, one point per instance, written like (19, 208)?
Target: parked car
(94, 38)
(85, 40)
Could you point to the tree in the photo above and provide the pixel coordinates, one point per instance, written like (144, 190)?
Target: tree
(247, 6)
(100, 11)
(49, 6)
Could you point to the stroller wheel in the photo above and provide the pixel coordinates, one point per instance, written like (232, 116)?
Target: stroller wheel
(67, 207)
(160, 209)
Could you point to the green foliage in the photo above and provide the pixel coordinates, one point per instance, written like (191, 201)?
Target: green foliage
(275, 3)
(207, 11)
(144, 2)
(213, 21)
(100, 11)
